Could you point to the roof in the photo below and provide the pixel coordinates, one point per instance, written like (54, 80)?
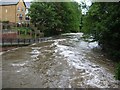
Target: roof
(10, 2)
(27, 4)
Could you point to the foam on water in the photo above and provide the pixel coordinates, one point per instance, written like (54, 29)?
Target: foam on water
(19, 64)
(94, 75)
(93, 44)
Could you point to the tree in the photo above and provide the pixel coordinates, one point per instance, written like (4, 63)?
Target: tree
(103, 23)
(55, 17)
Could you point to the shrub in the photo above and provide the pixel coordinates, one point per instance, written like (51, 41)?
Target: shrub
(5, 21)
(118, 71)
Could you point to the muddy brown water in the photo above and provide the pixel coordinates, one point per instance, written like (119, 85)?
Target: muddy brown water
(65, 62)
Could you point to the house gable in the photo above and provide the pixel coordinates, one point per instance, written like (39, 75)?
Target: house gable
(22, 2)
(20, 11)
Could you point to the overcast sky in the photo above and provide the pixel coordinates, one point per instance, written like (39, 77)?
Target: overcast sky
(88, 2)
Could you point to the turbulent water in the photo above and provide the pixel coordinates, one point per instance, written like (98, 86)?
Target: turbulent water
(66, 61)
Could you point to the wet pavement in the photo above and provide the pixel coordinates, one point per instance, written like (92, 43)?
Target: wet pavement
(64, 62)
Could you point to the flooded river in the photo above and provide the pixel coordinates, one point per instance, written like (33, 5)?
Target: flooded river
(66, 61)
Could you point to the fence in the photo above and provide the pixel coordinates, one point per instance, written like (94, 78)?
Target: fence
(15, 42)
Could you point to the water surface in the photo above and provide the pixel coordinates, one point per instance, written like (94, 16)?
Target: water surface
(64, 62)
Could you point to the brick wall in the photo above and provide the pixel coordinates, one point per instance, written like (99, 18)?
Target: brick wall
(11, 13)
(8, 13)
(12, 35)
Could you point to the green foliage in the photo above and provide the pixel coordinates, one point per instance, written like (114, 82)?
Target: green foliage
(118, 72)
(24, 29)
(54, 18)
(5, 22)
(103, 23)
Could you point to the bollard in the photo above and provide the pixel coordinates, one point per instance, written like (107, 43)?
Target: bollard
(29, 41)
(24, 41)
(18, 42)
(38, 40)
(3, 42)
(11, 41)
(34, 40)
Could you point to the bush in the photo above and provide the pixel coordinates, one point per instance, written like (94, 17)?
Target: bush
(5, 21)
(118, 71)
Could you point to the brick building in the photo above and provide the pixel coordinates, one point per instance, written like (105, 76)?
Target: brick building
(13, 11)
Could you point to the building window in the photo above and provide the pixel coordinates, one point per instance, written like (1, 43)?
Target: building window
(18, 9)
(20, 16)
(27, 18)
(22, 9)
(6, 10)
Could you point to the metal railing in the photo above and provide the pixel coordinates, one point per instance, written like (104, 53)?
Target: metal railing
(18, 42)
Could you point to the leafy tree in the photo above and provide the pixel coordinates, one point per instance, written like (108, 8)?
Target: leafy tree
(39, 13)
(55, 17)
(118, 71)
(103, 23)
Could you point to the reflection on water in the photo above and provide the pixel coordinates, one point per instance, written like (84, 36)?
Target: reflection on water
(64, 62)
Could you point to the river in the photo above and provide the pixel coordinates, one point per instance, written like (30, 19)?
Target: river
(66, 61)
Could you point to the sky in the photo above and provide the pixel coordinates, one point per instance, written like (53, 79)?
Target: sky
(88, 2)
